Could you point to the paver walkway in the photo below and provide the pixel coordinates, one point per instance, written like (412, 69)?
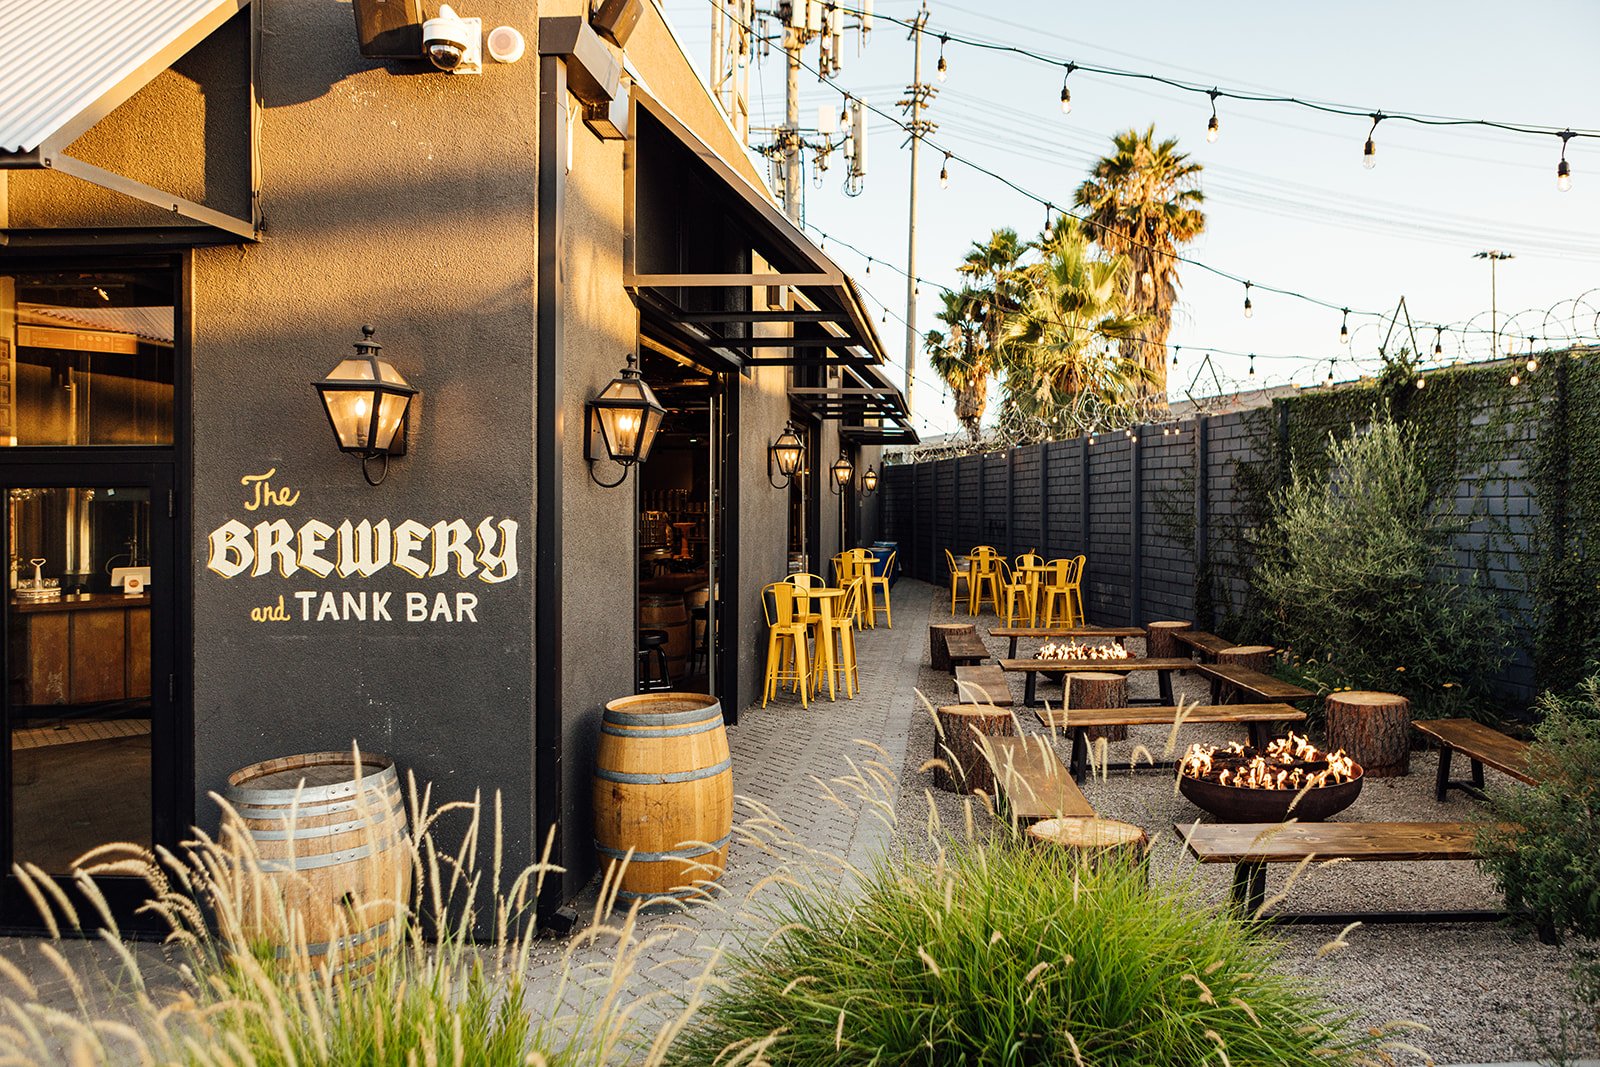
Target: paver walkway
(779, 753)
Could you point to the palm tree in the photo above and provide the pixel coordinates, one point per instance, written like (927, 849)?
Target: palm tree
(1144, 203)
(1062, 348)
(965, 355)
(961, 356)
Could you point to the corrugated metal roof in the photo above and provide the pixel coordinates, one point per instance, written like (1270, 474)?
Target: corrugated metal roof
(64, 63)
(150, 323)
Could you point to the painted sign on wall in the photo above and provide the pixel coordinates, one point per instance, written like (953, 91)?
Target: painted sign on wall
(316, 550)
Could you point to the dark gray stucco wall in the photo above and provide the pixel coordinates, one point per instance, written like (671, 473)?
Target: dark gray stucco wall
(391, 196)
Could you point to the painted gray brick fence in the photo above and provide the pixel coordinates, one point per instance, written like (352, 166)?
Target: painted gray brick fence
(1153, 511)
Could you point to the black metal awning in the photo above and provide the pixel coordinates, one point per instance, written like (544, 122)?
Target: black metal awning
(689, 215)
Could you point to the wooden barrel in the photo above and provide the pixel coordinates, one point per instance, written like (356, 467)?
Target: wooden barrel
(663, 787)
(331, 845)
(665, 612)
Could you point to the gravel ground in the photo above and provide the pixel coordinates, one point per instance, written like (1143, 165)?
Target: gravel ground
(1485, 992)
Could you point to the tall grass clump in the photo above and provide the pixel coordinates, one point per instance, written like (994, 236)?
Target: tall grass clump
(1005, 954)
(1358, 573)
(248, 988)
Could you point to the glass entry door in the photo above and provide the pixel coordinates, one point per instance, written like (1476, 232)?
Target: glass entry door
(90, 757)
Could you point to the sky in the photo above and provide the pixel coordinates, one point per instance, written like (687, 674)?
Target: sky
(1288, 201)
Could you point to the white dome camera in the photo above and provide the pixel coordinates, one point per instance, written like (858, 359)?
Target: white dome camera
(452, 43)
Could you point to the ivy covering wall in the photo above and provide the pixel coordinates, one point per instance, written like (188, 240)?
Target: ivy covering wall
(1520, 465)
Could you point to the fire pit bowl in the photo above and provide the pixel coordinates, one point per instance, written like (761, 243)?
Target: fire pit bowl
(1231, 803)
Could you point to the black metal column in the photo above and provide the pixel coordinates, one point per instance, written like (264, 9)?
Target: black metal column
(1044, 500)
(549, 426)
(1135, 529)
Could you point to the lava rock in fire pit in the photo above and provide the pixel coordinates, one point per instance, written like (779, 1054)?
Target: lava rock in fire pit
(1072, 650)
(1291, 778)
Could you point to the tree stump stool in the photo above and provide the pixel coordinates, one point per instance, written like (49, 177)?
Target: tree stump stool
(1374, 729)
(1159, 642)
(963, 728)
(1254, 657)
(938, 655)
(1097, 690)
(1092, 841)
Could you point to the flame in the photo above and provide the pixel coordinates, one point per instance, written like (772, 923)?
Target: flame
(1280, 766)
(1072, 650)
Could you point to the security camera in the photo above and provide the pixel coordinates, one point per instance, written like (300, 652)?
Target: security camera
(452, 43)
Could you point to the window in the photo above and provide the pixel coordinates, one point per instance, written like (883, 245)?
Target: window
(86, 357)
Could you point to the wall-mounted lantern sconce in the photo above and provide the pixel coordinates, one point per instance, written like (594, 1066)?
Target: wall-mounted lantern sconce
(788, 455)
(621, 423)
(368, 405)
(843, 471)
(869, 480)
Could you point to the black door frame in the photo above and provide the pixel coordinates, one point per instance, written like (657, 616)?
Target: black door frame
(169, 471)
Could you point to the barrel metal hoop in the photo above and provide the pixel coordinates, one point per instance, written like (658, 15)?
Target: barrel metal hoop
(662, 779)
(326, 859)
(692, 852)
(681, 894)
(662, 718)
(355, 940)
(390, 800)
(676, 731)
(307, 833)
(378, 782)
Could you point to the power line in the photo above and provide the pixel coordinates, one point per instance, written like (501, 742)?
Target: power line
(1248, 96)
(1051, 207)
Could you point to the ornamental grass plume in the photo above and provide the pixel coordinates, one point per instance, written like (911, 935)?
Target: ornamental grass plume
(248, 989)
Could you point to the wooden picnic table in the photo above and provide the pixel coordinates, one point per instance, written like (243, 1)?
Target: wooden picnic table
(1032, 668)
(1112, 633)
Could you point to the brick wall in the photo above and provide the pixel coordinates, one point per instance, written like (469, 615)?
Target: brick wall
(1192, 509)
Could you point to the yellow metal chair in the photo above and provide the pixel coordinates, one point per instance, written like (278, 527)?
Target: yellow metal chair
(1075, 582)
(805, 610)
(787, 658)
(1026, 560)
(866, 561)
(844, 647)
(985, 573)
(960, 572)
(1058, 585)
(880, 583)
(1017, 591)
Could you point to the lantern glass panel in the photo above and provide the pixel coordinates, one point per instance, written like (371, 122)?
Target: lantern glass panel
(391, 413)
(350, 411)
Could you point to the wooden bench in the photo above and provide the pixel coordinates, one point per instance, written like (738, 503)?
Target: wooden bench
(1263, 687)
(1034, 782)
(1080, 633)
(965, 648)
(1206, 645)
(1251, 846)
(982, 683)
(1481, 745)
(1032, 668)
(1257, 717)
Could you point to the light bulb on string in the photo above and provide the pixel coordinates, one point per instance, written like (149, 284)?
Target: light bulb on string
(1516, 379)
(944, 172)
(1533, 360)
(1252, 364)
(1422, 383)
(1563, 168)
(1438, 341)
(1214, 127)
(1248, 309)
(869, 264)
(1066, 93)
(1369, 151)
(1344, 327)
(1175, 349)
(1330, 372)
(943, 68)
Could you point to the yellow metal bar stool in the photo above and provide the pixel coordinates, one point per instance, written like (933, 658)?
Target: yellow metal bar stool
(880, 583)
(960, 574)
(843, 641)
(787, 647)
